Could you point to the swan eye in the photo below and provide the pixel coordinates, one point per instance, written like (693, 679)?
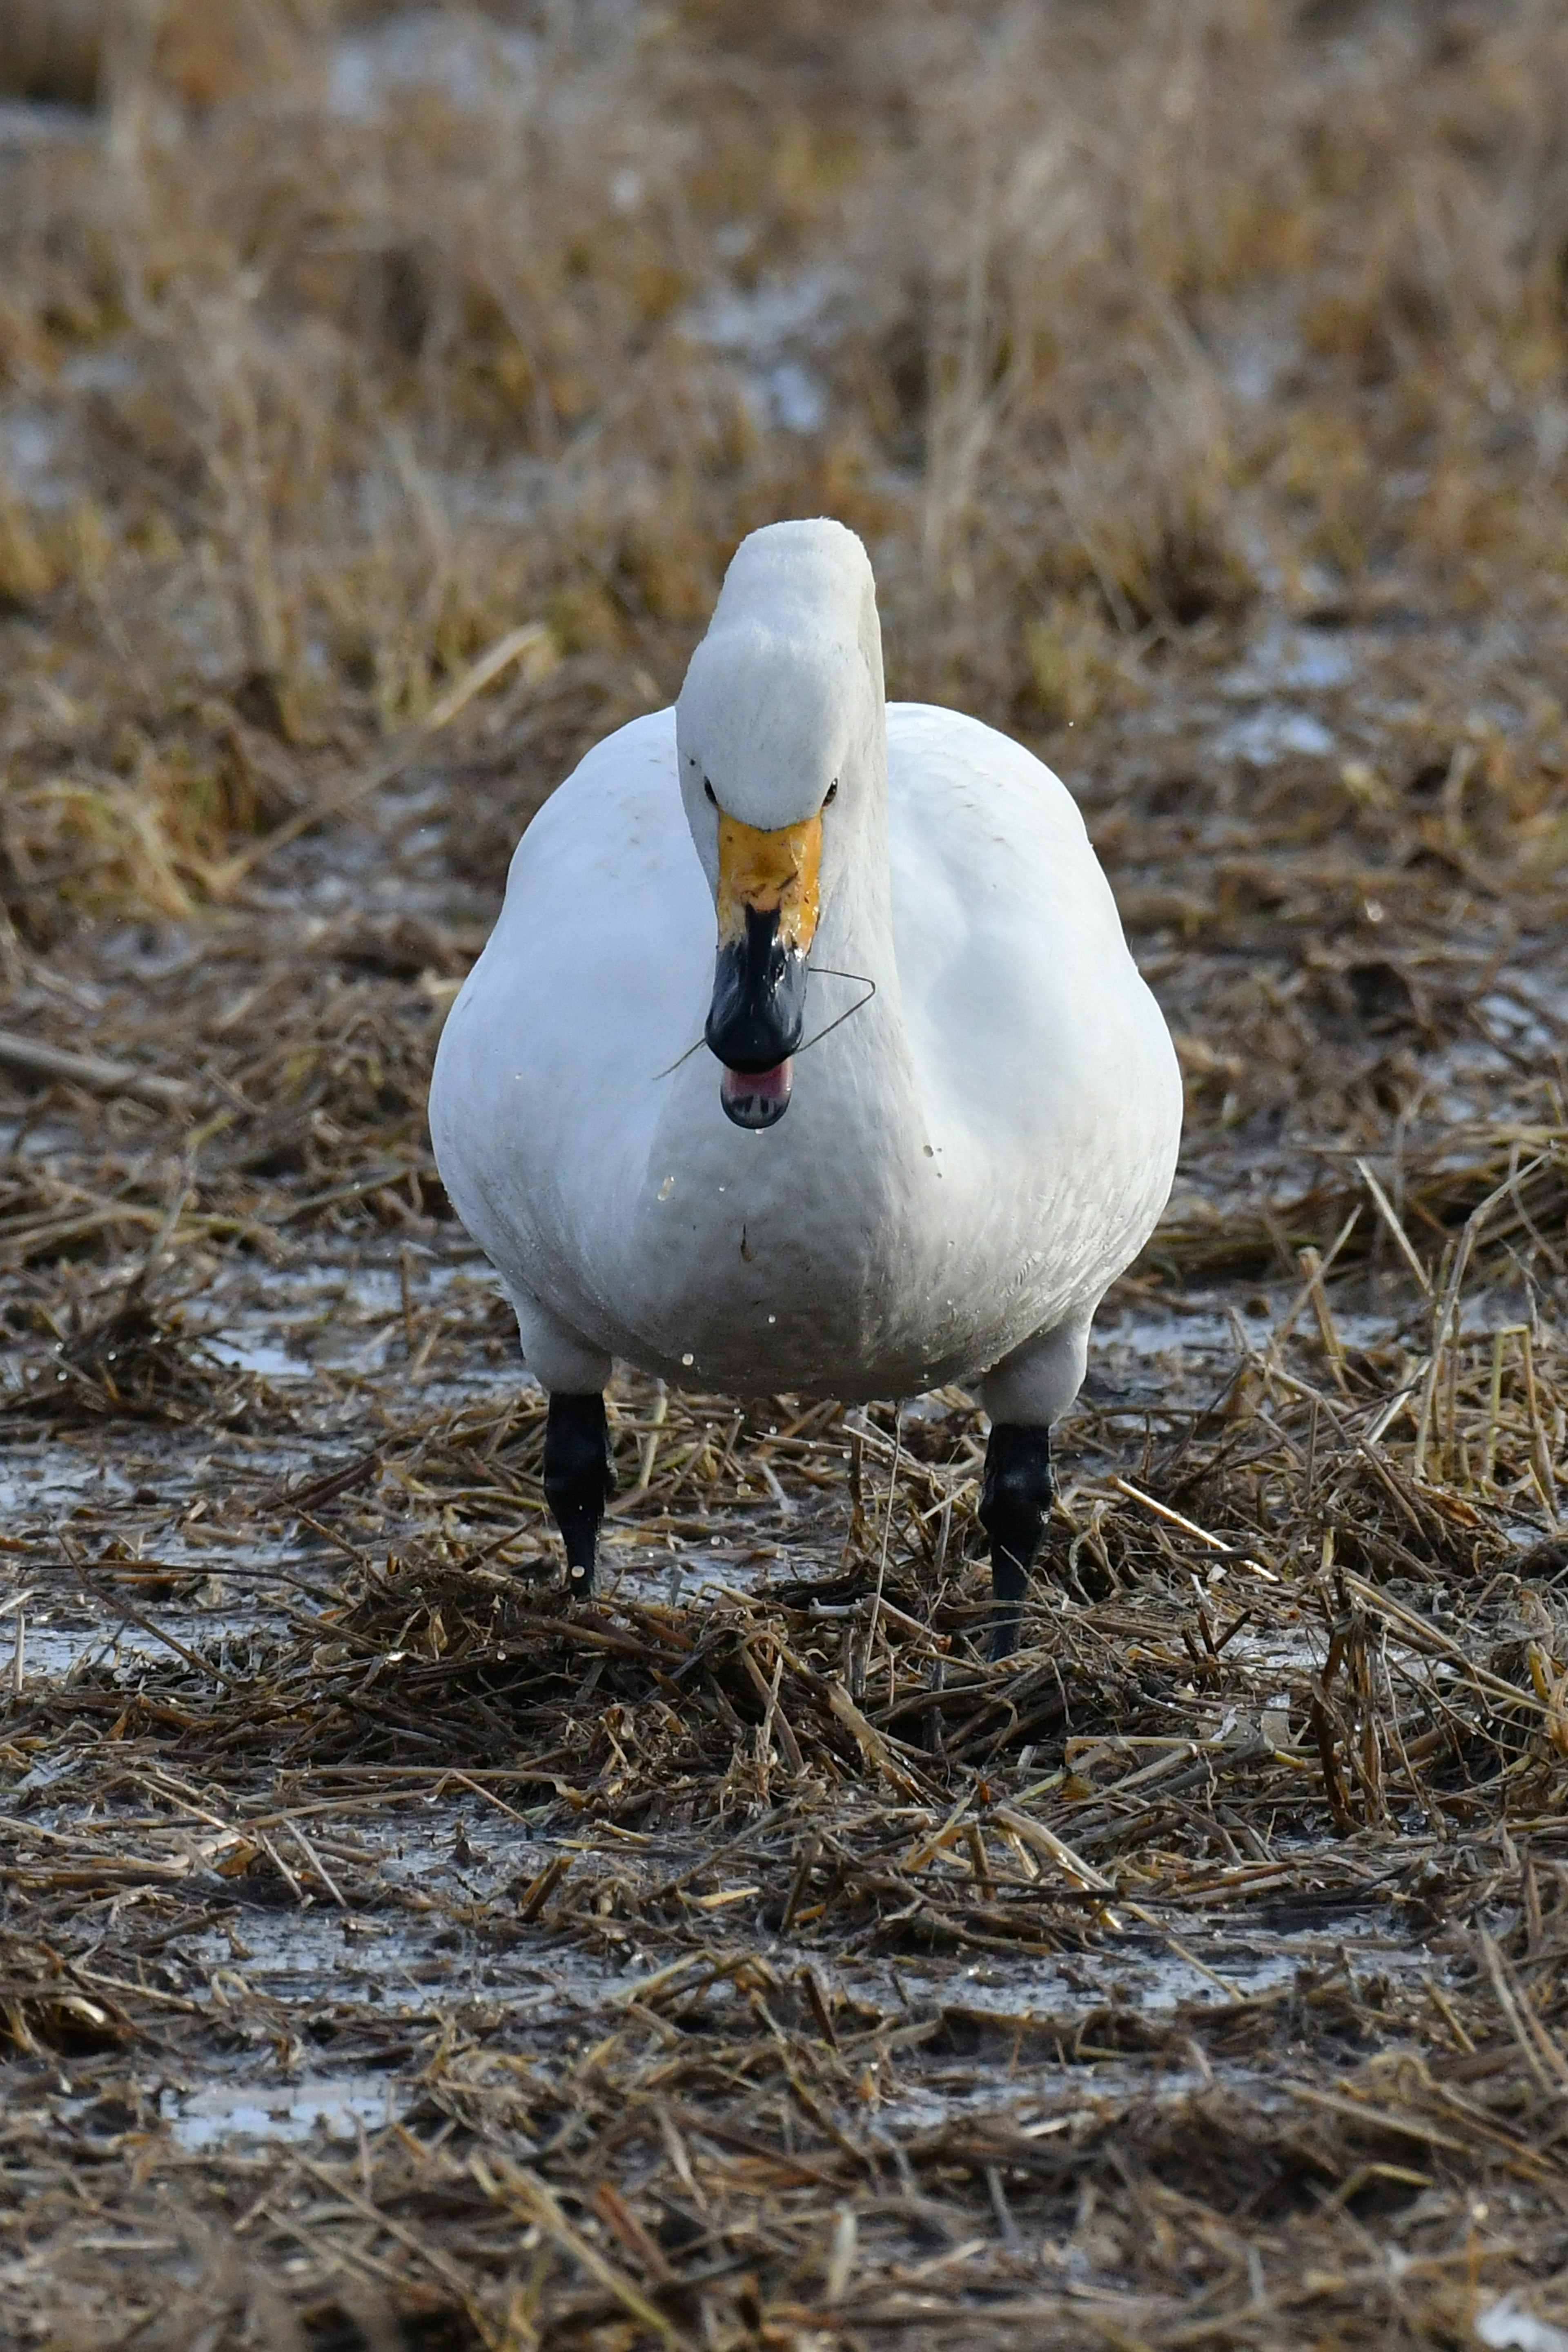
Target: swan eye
(709, 791)
(831, 794)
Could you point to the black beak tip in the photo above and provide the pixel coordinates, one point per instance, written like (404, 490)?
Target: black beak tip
(758, 1009)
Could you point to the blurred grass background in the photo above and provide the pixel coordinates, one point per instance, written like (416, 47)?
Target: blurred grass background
(336, 342)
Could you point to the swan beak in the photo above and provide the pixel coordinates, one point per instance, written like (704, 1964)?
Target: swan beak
(768, 899)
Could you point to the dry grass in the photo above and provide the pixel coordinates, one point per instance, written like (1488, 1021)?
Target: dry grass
(771, 1971)
(747, 1963)
(1102, 324)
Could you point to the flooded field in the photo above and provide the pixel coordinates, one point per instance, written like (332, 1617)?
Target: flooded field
(391, 1955)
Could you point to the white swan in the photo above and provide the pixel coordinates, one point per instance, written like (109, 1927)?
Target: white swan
(974, 1148)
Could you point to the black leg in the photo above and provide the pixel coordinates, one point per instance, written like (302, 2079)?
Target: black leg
(578, 1480)
(1015, 1503)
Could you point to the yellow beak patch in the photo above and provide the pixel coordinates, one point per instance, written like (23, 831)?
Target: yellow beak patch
(768, 872)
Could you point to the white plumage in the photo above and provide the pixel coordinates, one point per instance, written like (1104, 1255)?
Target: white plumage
(968, 1160)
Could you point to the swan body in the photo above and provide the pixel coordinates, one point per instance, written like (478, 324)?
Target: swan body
(969, 1158)
(984, 1110)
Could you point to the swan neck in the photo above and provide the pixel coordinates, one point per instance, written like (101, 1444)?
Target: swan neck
(855, 933)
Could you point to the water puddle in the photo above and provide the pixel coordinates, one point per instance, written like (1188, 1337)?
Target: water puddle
(474, 68)
(1268, 735)
(1288, 661)
(336, 1317)
(267, 1359)
(338, 2110)
(1213, 1334)
(33, 122)
(52, 1650)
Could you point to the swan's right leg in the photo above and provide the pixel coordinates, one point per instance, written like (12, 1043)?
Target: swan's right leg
(1015, 1498)
(578, 1479)
(1023, 1395)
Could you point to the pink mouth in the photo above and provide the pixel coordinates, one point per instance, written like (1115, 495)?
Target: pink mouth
(757, 1098)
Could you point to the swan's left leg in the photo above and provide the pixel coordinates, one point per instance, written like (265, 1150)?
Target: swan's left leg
(1023, 1395)
(578, 1479)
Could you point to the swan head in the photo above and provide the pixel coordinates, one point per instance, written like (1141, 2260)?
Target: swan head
(779, 727)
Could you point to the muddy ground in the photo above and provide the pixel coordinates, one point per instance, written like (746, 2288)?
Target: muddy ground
(388, 1957)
